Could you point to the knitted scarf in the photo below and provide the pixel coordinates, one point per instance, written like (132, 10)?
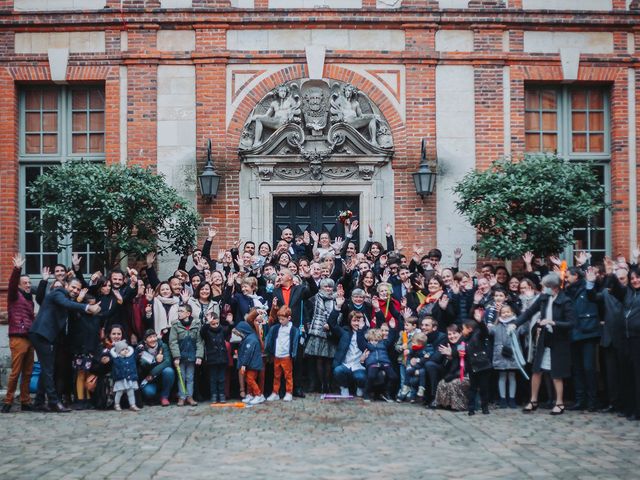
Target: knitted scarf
(160, 318)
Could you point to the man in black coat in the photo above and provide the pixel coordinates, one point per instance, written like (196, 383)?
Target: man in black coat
(50, 322)
(435, 364)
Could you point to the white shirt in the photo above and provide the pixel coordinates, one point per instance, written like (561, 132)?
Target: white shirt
(352, 360)
(283, 341)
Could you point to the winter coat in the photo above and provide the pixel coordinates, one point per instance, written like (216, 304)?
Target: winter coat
(250, 354)
(344, 335)
(559, 340)
(272, 336)
(630, 299)
(53, 313)
(298, 295)
(587, 324)
(215, 345)
(434, 341)
(452, 364)
(124, 368)
(478, 355)
(379, 352)
(154, 368)
(613, 329)
(499, 332)
(20, 307)
(185, 342)
(84, 334)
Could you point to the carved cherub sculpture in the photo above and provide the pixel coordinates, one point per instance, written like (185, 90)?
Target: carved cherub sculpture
(284, 109)
(346, 108)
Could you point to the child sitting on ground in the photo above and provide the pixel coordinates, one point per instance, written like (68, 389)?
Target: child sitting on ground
(125, 374)
(282, 344)
(415, 379)
(376, 361)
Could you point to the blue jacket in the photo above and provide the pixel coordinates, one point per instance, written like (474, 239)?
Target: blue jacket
(587, 324)
(272, 336)
(378, 353)
(434, 340)
(344, 338)
(53, 313)
(250, 354)
(124, 368)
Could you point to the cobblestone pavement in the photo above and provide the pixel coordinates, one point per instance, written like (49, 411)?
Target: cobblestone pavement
(317, 439)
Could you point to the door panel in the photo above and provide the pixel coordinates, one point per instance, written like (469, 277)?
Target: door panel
(311, 213)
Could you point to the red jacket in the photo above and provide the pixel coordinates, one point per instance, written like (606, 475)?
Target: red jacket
(21, 315)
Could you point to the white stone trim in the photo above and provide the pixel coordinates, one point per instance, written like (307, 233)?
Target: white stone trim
(75, 42)
(58, 61)
(454, 41)
(552, 41)
(176, 40)
(332, 4)
(454, 4)
(599, 5)
(57, 5)
(175, 4)
(633, 193)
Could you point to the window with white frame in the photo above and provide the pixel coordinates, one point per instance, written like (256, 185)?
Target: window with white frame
(574, 123)
(57, 124)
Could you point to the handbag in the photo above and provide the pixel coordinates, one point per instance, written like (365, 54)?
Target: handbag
(507, 351)
(480, 361)
(91, 382)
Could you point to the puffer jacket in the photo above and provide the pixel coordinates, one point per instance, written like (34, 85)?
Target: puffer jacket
(20, 307)
(185, 341)
(250, 354)
(587, 323)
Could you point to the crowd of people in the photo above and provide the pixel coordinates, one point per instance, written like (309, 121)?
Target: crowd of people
(267, 324)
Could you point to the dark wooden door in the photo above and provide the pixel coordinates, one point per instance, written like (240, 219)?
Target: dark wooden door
(317, 213)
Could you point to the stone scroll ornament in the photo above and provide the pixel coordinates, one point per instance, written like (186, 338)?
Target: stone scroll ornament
(316, 116)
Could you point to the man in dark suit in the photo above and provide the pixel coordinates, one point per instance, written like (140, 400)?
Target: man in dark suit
(50, 321)
(293, 296)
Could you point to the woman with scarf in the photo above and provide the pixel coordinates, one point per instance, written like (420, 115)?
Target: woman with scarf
(319, 346)
(102, 395)
(387, 306)
(165, 309)
(243, 301)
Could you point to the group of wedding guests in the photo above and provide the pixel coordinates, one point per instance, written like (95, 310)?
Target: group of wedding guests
(315, 314)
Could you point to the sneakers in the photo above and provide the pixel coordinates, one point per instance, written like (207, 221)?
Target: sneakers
(287, 397)
(420, 392)
(247, 399)
(221, 399)
(359, 392)
(344, 391)
(117, 408)
(180, 402)
(386, 397)
(164, 402)
(257, 400)
(402, 395)
(191, 401)
(134, 408)
(273, 397)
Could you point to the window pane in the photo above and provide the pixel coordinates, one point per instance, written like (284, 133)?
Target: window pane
(50, 143)
(596, 121)
(32, 242)
(79, 122)
(79, 143)
(580, 239)
(32, 122)
(596, 143)
(531, 100)
(32, 143)
(50, 260)
(550, 142)
(96, 143)
(579, 142)
(32, 264)
(549, 100)
(49, 100)
(597, 239)
(596, 100)
(49, 122)
(79, 100)
(97, 122)
(579, 100)
(549, 121)
(531, 121)
(32, 99)
(579, 122)
(97, 99)
(532, 142)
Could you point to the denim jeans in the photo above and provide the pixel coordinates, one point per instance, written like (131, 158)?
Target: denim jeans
(187, 369)
(164, 381)
(345, 377)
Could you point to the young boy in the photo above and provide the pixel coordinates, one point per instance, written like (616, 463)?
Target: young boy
(479, 360)
(249, 361)
(403, 347)
(416, 372)
(282, 344)
(216, 354)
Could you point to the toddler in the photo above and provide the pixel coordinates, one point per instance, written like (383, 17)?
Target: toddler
(376, 361)
(416, 371)
(125, 374)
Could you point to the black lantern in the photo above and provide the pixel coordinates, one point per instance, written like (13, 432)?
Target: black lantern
(209, 179)
(425, 178)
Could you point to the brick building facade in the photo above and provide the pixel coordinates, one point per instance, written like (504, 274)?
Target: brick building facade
(149, 82)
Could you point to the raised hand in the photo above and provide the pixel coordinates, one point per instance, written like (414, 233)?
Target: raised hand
(354, 226)
(399, 246)
(492, 279)
(376, 303)
(306, 237)
(133, 275)
(82, 294)
(221, 254)
(185, 296)
(457, 254)
(46, 273)
(339, 300)
(117, 294)
(383, 260)
(337, 244)
(387, 229)
(305, 271)
(95, 276)
(315, 237)
(609, 265)
(149, 294)
(477, 297)
(455, 286)
(18, 261)
(75, 262)
(443, 302)
(445, 350)
(93, 309)
(635, 254)
(212, 231)
(151, 257)
(418, 251)
(581, 258)
(555, 260)
(385, 275)
(370, 232)
(406, 313)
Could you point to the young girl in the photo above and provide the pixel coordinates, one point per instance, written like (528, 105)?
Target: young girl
(376, 360)
(187, 350)
(217, 355)
(85, 341)
(125, 374)
(475, 336)
(503, 358)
